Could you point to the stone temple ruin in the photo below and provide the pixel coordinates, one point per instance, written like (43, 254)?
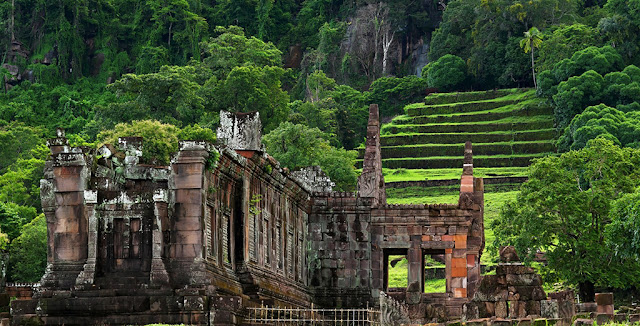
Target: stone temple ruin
(223, 229)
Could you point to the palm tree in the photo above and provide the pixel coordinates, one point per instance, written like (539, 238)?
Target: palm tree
(532, 40)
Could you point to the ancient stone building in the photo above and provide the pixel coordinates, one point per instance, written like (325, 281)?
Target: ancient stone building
(225, 228)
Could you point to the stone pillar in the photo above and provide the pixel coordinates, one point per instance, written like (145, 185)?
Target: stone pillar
(604, 303)
(466, 181)
(187, 234)
(371, 181)
(466, 260)
(415, 277)
(87, 276)
(158, 275)
(67, 225)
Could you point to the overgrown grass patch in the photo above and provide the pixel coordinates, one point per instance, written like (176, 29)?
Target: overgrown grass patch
(479, 149)
(522, 109)
(435, 285)
(461, 137)
(439, 162)
(444, 98)
(398, 274)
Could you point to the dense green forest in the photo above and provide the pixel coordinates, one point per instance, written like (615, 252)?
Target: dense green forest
(164, 69)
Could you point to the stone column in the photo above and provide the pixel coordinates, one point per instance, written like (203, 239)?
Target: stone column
(68, 225)
(415, 277)
(158, 275)
(466, 260)
(371, 181)
(87, 276)
(187, 234)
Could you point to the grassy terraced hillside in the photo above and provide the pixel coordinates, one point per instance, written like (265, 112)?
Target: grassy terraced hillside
(508, 128)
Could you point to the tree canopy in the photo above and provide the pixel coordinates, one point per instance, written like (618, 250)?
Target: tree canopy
(564, 210)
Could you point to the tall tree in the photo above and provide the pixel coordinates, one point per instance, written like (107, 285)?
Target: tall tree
(532, 40)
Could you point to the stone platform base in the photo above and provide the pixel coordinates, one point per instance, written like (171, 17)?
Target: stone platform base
(106, 307)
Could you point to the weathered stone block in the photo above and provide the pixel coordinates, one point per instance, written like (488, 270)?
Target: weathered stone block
(583, 322)
(604, 299)
(587, 307)
(602, 319)
(189, 196)
(524, 279)
(501, 309)
(621, 318)
(459, 293)
(549, 309)
(503, 269)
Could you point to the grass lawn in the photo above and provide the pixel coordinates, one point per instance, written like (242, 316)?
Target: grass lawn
(435, 286)
(398, 274)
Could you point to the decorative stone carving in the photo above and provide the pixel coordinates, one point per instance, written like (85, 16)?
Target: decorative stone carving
(393, 312)
(313, 179)
(371, 181)
(240, 131)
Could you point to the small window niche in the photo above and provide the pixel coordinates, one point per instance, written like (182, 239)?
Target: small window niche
(435, 275)
(396, 274)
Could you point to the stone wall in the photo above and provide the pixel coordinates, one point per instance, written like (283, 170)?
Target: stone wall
(353, 235)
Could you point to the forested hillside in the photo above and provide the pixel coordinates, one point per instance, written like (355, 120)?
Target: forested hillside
(164, 69)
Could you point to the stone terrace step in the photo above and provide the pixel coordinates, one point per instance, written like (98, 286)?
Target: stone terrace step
(461, 137)
(469, 127)
(506, 148)
(423, 109)
(486, 115)
(445, 98)
(455, 161)
(124, 281)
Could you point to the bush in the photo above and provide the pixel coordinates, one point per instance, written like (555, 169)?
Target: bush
(28, 252)
(448, 73)
(298, 146)
(160, 140)
(392, 94)
(601, 121)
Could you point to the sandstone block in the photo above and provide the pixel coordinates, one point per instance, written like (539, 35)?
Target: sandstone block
(603, 299)
(549, 308)
(602, 319)
(501, 309)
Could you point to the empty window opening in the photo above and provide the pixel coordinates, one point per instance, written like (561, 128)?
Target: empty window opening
(396, 270)
(435, 275)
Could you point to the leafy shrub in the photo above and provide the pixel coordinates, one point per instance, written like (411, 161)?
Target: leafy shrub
(448, 73)
(392, 93)
(298, 146)
(601, 121)
(602, 60)
(160, 140)
(28, 252)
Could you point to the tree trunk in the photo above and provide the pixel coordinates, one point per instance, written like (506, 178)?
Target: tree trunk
(13, 21)
(533, 69)
(170, 27)
(586, 291)
(386, 44)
